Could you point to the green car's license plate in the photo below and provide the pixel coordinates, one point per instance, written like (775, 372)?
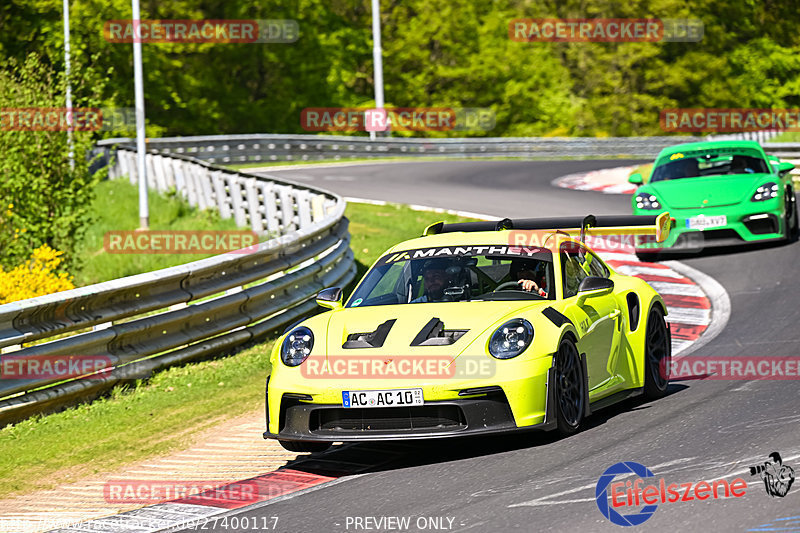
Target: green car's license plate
(382, 398)
(704, 222)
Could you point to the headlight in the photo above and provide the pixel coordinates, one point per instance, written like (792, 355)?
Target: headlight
(297, 346)
(647, 201)
(511, 339)
(767, 191)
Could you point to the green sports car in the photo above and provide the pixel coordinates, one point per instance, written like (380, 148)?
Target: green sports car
(719, 193)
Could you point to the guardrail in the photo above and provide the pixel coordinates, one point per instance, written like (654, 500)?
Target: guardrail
(272, 206)
(237, 149)
(146, 322)
(762, 136)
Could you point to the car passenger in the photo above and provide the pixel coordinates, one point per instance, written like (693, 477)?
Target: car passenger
(530, 276)
(740, 165)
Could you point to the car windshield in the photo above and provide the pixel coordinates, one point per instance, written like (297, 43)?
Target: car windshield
(710, 164)
(457, 274)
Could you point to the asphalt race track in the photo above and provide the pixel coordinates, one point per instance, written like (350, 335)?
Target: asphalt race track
(703, 430)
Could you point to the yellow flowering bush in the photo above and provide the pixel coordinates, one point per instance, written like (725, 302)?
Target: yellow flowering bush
(37, 276)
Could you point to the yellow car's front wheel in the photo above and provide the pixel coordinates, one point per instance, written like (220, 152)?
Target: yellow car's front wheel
(657, 355)
(570, 393)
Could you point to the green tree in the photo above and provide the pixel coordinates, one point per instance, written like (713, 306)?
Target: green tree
(44, 200)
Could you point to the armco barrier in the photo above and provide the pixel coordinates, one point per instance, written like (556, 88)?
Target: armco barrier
(146, 322)
(268, 206)
(232, 149)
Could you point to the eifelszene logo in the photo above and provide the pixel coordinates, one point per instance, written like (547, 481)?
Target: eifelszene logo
(632, 494)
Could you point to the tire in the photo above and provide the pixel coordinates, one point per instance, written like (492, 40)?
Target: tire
(570, 391)
(301, 446)
(648, 257)
(657, 355)
(792, 222)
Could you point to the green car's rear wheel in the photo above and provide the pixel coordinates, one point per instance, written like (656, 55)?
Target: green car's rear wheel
(570, 396)
(657, 355)
(304, 446)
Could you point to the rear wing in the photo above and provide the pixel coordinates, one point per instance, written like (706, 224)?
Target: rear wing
(658, 225)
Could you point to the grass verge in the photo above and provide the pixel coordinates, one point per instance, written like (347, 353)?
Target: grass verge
(163, 414)
(116, 209)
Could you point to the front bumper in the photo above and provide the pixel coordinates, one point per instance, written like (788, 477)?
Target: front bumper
(483, 413)
(746, 224)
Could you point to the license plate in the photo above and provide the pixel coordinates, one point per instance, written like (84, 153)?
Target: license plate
(382, 398)
(704, 222)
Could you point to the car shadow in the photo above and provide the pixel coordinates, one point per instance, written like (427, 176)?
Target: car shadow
(361, 458)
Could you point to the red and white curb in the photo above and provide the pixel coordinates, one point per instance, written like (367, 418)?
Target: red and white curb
(199, 511)
(607, 181)
(209, 510)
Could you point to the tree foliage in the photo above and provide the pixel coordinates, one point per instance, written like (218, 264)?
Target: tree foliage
(45, 200)
(436, 53)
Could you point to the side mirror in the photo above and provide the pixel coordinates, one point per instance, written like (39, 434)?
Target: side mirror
(330, 298)
(594, 286)
(636, 178)
(784, 167)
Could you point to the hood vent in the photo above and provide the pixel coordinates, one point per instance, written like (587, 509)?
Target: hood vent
(372, 339)
(434, 334)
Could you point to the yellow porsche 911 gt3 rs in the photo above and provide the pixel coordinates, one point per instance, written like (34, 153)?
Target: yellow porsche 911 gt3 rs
(466, 331)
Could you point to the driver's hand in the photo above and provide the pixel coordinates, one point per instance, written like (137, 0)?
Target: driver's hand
(530, 285)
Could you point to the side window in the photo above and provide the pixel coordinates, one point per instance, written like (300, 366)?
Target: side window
(596, 267)
(576, 264)
(571, 271)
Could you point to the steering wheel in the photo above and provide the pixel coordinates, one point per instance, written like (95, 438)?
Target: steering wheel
(508, 285)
